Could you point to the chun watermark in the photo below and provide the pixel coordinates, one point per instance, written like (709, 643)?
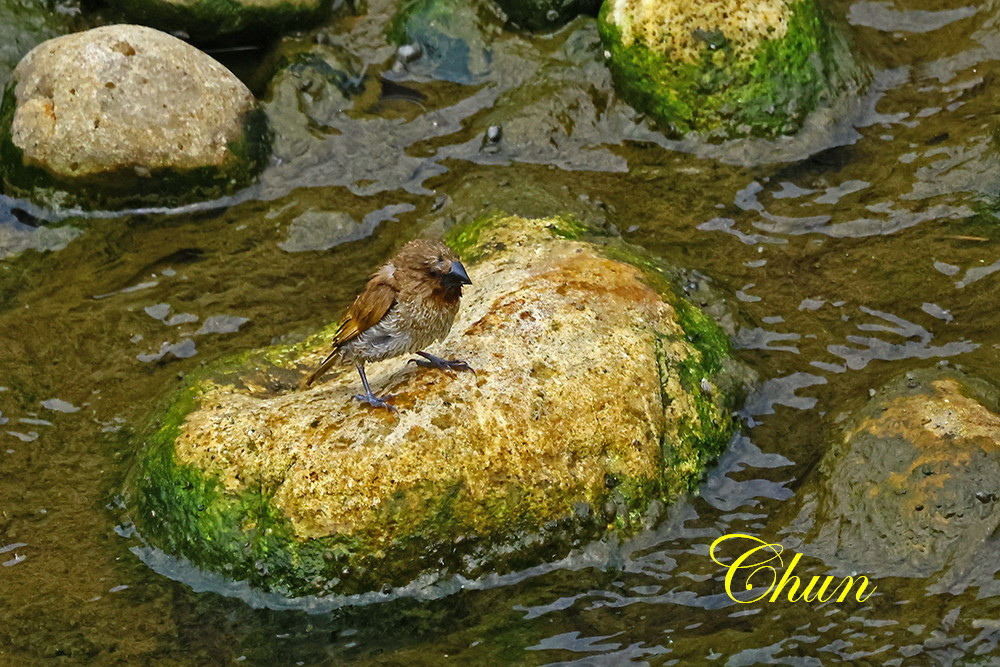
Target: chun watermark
(760, 566)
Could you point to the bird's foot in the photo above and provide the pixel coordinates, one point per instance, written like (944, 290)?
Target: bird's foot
(431, 361)
(376, 401)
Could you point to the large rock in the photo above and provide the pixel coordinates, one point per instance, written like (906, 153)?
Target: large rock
(911, 488)
(725, 68)
(127, 114)
(594, 396)
(222, 21)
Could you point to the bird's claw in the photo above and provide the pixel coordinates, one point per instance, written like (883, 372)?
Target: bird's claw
(443, 364)
(431, 361)
(459, 365)
(376, 401)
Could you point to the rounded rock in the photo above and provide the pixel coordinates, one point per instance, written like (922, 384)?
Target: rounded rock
(495, 469)
(914, 472)
(452, 37)
(725, 68)
(125, 100)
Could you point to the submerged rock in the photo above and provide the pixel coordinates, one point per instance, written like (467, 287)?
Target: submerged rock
(450, 39)
(546, 14)
(126, 114)
(312, 88)
(724, 67)
(215, 21)
(595, 395)
(911, 489)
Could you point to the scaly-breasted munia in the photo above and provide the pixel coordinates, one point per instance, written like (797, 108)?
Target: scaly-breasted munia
(407, 304)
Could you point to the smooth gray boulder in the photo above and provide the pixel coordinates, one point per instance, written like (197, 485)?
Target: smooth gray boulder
(127, 114)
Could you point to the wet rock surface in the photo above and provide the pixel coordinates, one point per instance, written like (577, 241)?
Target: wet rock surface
(121, 109)
(593, 397)
(911, 489)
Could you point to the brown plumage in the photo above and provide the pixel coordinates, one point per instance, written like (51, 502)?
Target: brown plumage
(409, 303)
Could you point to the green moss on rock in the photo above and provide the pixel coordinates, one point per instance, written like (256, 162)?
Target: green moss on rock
(469, 242)
(720, 78)
(591, 402)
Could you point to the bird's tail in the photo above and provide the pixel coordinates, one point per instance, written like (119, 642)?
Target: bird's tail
(323, 367)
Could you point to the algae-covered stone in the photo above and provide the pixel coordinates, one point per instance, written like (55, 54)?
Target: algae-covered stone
(546, 14)
(594, 396)
(215, 21)
(127, 114)
(727, 68)
(911, 487)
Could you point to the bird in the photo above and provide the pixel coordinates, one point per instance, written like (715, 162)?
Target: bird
(410, 302)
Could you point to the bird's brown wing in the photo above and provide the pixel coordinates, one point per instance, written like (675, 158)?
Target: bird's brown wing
(371, 306)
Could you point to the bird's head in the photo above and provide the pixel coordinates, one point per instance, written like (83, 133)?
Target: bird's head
(438, 262)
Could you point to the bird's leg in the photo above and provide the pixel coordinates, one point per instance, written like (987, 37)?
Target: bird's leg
(443, 364)
(370, 398)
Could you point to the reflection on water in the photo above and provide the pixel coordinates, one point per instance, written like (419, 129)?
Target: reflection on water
(851, 253)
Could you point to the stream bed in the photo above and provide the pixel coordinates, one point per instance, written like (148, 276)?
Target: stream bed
(860, 249)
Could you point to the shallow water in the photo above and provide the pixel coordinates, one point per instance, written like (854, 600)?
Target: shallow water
(850, 255)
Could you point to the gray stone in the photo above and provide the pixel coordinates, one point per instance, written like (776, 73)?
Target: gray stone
(127, 98)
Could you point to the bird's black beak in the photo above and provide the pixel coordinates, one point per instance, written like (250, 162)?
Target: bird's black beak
(458, 274)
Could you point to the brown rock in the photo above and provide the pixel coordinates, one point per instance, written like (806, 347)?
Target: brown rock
(912, 488)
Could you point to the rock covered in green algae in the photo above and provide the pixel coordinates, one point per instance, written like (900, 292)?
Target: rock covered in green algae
(911, 487)
(593, 397)
(126, 114)
(726, 68)
(546, 14)
(215, 21)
